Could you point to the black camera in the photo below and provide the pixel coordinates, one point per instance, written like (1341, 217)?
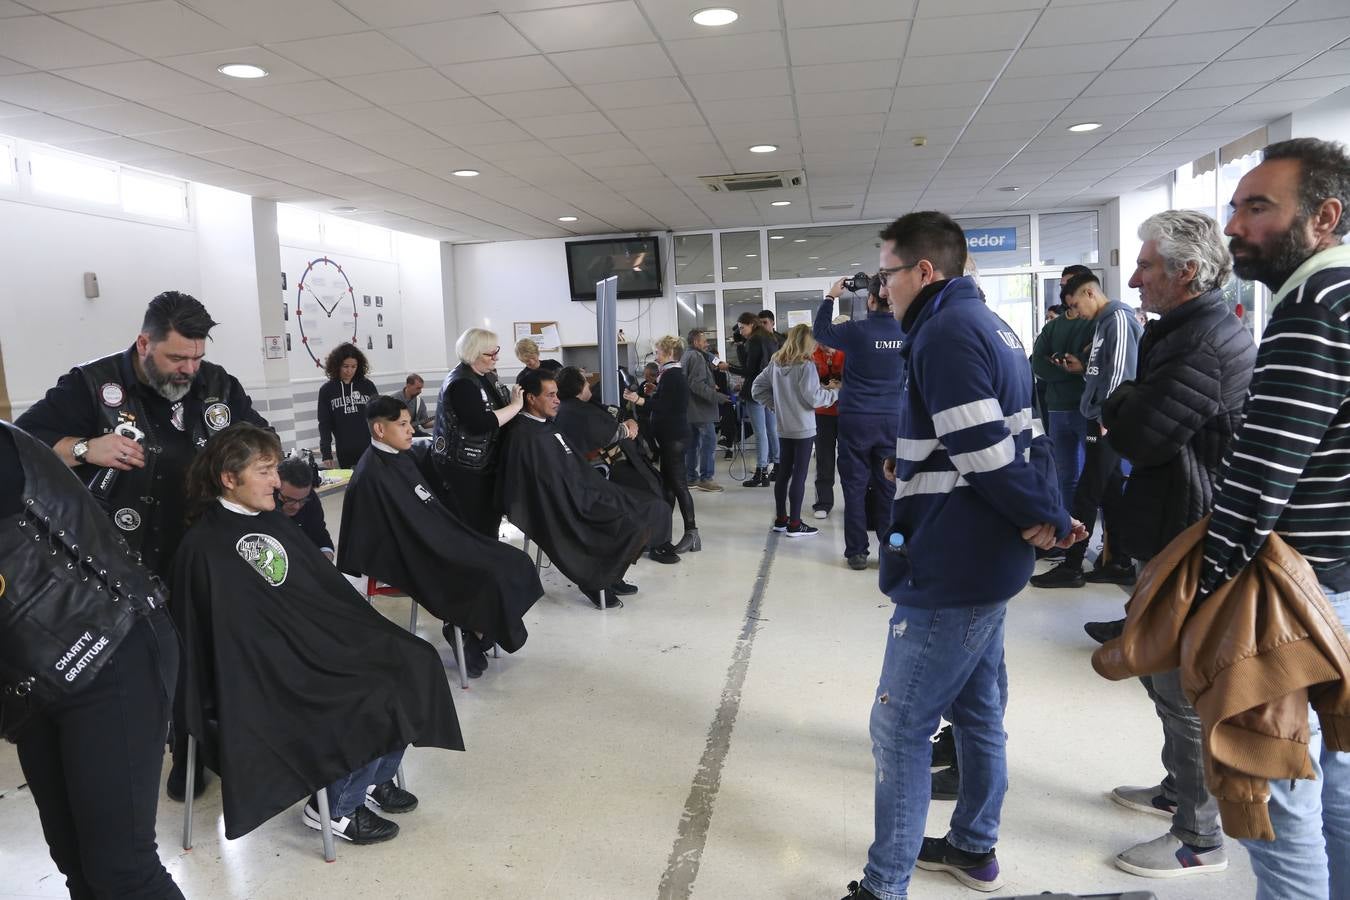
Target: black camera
(857, 284)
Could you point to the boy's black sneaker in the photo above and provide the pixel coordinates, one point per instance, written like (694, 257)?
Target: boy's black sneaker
(976, 871)
(801, 529)
(1112, 573)
(390, 798)
(858, 892)
(361, 827)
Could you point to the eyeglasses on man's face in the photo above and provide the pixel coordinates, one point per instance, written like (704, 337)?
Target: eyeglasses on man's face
(885, 274)
(283, 500)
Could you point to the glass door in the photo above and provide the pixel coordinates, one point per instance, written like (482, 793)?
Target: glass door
(795, 308)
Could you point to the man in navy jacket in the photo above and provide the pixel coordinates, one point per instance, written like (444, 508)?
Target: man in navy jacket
(867, 411)
(967, 478)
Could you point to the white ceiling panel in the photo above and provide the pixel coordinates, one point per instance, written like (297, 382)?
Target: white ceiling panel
(1278, 39)
(628, 94)
(45, 43)
(881, 73)
(464, 111)
(1300, 89)
(1194, 17)
(139, 80)
(122, 149)
(268, 20)
(640, 61)
(1091, 57)
(584, 123)
(1046, 87)
(667, 116)
(845, 103)
(753, 83)
(809, 13)
(589, 143)
(501, 76)
(195, 140)
(215, 108)
(51, 130)
(275, 132)
(967, 34)
(673, 21)
(156, 28)
(10, 67)
(943, 96)
(954, 67)
(1182, 48)
(1203, 98)
(1131, 81)
(1122, 19)
(1088, 108)
(405, 86)
(821, 46)
(1333, 62)
(479, 133)
(41, 91)
(584, 27)
(729, 53)
(463, 40)
(347, 54)
(305, 97)
(128, 119)
(762, 109)
(204, 67)
(351, 122)
(683, 139)
(554, 101)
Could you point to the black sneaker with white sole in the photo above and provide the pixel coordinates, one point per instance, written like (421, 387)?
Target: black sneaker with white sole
(977, 871)
(390, 798)
(361, 827)
(801, 529)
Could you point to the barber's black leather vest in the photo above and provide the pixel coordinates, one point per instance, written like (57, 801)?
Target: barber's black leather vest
(128, 496)
(451, 444)
(70, 586)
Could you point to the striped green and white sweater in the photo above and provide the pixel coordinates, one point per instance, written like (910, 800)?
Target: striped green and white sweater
(1288, 467)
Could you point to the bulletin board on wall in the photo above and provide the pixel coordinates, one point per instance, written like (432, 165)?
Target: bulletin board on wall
(545, 334)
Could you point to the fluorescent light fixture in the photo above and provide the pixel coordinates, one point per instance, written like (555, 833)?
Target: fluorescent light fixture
(799, 240)
(820, 268)
(775, 237)
(733, 268)
(813, 257)
(751, 255)
(567, 218)
(1010, 189)
(344, 209)
(781, 203)
(1085, 126)
(715, 16)
(763, 148)
(242, 70)
(465, 173)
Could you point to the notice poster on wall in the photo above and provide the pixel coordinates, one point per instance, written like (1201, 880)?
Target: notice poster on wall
(545, 334)
(798, 317)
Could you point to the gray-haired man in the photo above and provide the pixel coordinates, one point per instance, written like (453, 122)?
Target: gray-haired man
(1174, 422)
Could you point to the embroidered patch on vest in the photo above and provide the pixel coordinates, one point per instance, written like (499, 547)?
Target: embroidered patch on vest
(112, 395)
(217, 416)
(266, 555)
(127, 519)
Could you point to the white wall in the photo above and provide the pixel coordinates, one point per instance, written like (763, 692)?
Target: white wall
(1122, 219)
(505, 282)
(228, 282)
(424, 305)
(1328, 119)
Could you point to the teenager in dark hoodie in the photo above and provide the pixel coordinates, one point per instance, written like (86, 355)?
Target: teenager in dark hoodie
(342, 407)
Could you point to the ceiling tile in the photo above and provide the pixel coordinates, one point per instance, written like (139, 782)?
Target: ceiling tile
(48, 44)
(952, 67)
(1245, 71)
(589, 143)
(810, 13)
(680, 139)
(1204, 98)
(940, 96)
(1091, 107)
(371, 120)
(463, 40)
(1131, 81)
(845, 103)
(267, 20)
(583, 123)
(500, 76)
(398, 142)
(968, 34)
(305, 97)
(275, 132)
(39, 90)
(584, 27)
(406, 86)
(1031, 61)
(554, 101)
(751, 83)
(1300, 89)
(1277, 39)
(820, 46)
(216, 108)
(1333, 62)
(759, 109)
(628, 94)
(251, 158)
(513, 150)
(125, 119)
(615, 64)
(730, 53)
(464, 111)
(670, 115)
(204, 66)
(480, 133)
(1197, 17)
(140, 80)
(10, 67)
(1063, 25)
(601, 158)
(347, 54)
(10, 9)
(156, 28)
(194, 140)
(1047, 87)
(1182, 48)
(674, 21)
(881, 73)
(1303, 11)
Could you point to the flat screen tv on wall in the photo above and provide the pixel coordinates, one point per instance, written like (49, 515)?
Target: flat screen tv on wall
(637, 262)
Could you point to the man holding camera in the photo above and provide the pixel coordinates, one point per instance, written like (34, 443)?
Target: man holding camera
(129, 425)
(868, 408)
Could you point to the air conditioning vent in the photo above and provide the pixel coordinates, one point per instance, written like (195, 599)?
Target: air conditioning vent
(753, 181)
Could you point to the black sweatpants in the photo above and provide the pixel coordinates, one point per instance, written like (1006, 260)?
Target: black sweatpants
(794, 464)
(92, 761)
(827, 437)
(1101, 484)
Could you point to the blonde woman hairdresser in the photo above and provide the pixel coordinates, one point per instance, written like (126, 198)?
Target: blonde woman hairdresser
(791, 388)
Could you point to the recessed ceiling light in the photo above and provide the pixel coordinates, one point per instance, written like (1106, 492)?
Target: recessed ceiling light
(465, 173)
(763, 148)
(799, 240)
(715, 16)
(567, 218)
(242, 70)
(1085, 126)
(781, 203)
(751, 255)
(733, 268)
(813, 257)
(820, 268)
(344, 209)
(1010, 189)
(775, 237)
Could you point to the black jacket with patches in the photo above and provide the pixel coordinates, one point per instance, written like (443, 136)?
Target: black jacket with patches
(1174, 421)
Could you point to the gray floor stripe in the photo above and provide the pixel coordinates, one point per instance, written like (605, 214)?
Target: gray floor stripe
(687, 854)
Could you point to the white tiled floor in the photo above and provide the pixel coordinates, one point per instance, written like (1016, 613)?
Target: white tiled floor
(584, 745)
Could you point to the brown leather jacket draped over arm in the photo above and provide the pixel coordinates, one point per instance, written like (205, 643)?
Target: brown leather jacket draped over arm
(1252, 657)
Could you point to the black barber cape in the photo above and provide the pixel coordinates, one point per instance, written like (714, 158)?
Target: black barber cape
(292, 680)
(394, 529)
(589, 427)
(592, 529)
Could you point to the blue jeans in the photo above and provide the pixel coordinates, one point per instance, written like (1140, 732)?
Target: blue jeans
(1310, 856)
(939, 662)
(346, 794)
(765, 424)
(700, 452)
(1068, 434)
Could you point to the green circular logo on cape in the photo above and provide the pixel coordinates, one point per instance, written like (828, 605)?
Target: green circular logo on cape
(265, 554)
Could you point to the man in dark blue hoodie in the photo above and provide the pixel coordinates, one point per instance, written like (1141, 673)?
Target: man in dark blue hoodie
(867, 410)
(967, 475)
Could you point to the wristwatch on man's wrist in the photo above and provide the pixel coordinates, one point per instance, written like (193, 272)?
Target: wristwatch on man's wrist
(80, 450)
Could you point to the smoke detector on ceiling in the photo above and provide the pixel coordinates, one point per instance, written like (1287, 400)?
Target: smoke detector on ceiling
(753, 181)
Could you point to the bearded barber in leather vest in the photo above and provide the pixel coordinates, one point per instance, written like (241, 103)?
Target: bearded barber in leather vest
(130, 423)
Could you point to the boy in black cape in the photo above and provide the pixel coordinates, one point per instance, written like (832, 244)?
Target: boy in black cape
(292, 681)
(590, 428)
(394, 529)
(591, 528)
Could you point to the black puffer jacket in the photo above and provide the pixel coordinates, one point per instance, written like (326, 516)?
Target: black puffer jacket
(1175, 420)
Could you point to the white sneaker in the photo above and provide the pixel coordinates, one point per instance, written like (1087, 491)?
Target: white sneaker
(821, 514)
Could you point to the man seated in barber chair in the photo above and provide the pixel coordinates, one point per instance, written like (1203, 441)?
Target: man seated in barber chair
(605, 442)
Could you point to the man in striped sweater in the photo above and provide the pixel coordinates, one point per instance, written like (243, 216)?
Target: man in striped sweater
(967, 477)
(1288, 468)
